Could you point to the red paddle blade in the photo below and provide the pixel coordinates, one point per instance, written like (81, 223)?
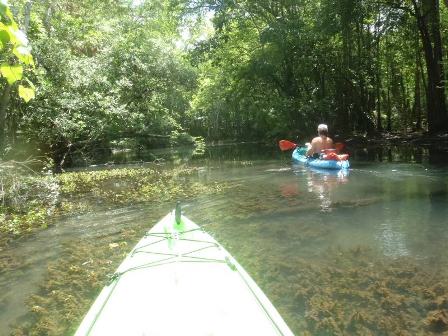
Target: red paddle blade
(286, 145)
(339, 146)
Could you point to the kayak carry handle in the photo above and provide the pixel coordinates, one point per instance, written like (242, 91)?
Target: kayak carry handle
(178, 213)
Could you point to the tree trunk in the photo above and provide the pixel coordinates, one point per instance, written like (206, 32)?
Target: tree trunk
(404, 105)
(4, 102)
(379, 125)
(47, 18)
(362, 101)
(417, 108)
(27, 15)
(344, 96)
(428, 22)
(389, 111)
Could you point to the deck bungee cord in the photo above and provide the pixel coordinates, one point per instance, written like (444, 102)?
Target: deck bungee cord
(180, 244)
(173, 258)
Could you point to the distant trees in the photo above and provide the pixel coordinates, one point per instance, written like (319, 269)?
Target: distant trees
(104, 70)
(427, 14)
(251, 69)
(361, 66)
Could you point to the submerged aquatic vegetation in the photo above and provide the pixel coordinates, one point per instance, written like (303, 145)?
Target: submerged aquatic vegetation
(27, 200)
(346, 292)
(318, 290)
(338, 291)
(437, 321)
(72, 283)
(30, 202)
(133, 185)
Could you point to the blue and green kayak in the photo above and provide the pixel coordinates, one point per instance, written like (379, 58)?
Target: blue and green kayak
(298, 155)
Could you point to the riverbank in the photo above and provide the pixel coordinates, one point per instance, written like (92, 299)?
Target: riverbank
(394, 138)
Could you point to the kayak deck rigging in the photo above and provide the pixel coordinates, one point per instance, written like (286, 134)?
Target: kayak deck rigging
(185, 256)
(214, 299)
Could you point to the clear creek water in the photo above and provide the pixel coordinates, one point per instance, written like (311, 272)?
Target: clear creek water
(291, 227)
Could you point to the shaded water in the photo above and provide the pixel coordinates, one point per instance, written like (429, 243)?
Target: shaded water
(291, 227)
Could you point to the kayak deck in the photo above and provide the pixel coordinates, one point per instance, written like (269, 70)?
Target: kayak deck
(179, 281)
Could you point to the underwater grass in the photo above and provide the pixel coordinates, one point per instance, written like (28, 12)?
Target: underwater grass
(72, 283)
(335, 291)
(33, 202)
(339, 292)
(75, 279)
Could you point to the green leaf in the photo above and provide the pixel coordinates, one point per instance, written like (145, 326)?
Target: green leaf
(3, 7)
(26, 93)
(12, 73)
(30, 83)
(4, 34)
(24, 55)
(5, 11)
(17, 36)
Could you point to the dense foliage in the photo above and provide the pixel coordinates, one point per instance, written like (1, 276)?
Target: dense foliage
(104, 72)
(237, 70)
(15, 56)
(274, 67)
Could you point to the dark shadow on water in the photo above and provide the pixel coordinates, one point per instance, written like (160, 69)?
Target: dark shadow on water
(216, 153)
(436, 155)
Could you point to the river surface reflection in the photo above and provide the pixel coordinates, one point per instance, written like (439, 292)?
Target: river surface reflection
(335, 251)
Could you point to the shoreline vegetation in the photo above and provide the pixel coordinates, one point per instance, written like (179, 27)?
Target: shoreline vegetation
(393, 138)
(218, 70)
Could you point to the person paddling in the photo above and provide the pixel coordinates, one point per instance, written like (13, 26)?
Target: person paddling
(319, 143)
